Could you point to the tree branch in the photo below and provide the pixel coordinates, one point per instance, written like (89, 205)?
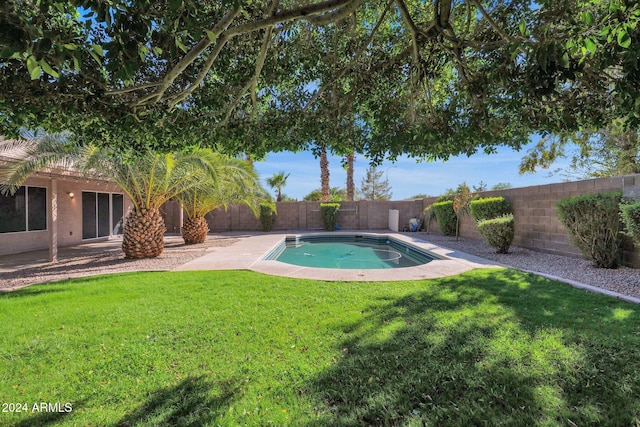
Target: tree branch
(337, 15)
(183, 94)
(491, 22)
(404, 11)
(191, 56)
(251, 84)
(302, 12)
(223, 34)
(353, 61)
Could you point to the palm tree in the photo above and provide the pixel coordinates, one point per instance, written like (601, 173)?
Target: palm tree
(236, 182)
(277, 181)
(351, 187)
(324, 176)
(149, 180)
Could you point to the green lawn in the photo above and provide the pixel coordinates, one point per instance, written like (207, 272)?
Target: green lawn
(489, 347)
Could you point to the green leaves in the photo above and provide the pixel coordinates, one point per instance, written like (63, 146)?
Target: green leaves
(523, 27)
(33, 67)
(47, 69)
(211, 35)
(624, 40)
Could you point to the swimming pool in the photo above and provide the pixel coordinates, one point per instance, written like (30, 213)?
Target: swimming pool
(350, 251)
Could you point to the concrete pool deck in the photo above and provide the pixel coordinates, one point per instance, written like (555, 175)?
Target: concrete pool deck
(248, 254)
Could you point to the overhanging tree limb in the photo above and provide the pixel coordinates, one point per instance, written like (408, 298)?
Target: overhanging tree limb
(221, 34)
(353, 61)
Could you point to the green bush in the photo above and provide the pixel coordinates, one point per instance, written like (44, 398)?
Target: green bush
(489, 208)
(446, 217)
(329, 214)
(630, 214)
(498, 232)
(267, 216)
(593, 224)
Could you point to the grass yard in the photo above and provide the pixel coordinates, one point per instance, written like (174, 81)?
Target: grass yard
(489, 347)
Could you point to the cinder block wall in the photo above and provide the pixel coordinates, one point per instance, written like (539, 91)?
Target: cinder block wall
(536, 220)
(537, 225)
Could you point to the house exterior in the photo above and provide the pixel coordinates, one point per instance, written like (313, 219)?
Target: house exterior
(60, 208)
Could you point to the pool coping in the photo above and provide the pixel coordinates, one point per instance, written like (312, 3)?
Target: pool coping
(248, 254)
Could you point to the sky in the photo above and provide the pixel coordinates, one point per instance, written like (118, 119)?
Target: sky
(407, 177)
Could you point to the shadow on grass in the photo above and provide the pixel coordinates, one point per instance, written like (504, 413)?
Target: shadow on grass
(500, 348)
(189, 403)
(32, 292)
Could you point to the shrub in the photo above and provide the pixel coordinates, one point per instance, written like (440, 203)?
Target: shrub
(427, 218)
(489, 208)
(593, 224)
(446, 217)
(461, 200)
(498, 232)
(329, 213)
(267, 216)
(630, 214)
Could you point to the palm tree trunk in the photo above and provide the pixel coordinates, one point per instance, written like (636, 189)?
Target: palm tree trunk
(143, 234)
(324, 176)
(351, 186)
(195, 230)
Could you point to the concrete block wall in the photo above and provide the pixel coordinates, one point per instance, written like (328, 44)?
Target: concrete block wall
(536, 221)
(360, 215)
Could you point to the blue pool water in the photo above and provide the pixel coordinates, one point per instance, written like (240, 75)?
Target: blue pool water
(348, 252)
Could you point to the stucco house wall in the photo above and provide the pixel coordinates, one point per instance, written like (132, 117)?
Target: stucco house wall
(69, 212)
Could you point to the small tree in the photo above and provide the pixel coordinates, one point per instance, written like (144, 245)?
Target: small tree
(373, 187)
(461, 200)
(337, 194)
(277, 182)
(236, 182)
(502, 186)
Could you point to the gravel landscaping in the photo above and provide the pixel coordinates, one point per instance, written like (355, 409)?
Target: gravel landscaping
(623, 280)
(101, 258)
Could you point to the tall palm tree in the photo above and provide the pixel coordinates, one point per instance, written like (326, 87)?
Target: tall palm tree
(236, 183)
(277, 181)
(351, 186)
(325, 188)
(149, 180)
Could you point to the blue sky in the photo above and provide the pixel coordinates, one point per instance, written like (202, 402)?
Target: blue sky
(406, 176)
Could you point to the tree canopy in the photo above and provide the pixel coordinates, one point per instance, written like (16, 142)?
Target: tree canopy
(431, 79)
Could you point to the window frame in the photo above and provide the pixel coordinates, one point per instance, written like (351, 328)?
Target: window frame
(97, 220)
(26, 210)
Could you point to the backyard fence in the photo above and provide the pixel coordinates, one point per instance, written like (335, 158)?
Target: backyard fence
(536, 222)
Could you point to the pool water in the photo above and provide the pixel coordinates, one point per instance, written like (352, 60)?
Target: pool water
(350, 253)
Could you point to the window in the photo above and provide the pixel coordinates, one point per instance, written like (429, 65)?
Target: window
(102, 214)
(26, 210)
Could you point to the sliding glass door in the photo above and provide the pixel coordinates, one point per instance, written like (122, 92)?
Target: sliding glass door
(102, 214)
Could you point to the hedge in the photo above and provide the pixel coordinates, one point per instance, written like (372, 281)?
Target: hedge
(329, 214)
(489, 208)
(594, 226)
(446, 217)
(630, 214)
